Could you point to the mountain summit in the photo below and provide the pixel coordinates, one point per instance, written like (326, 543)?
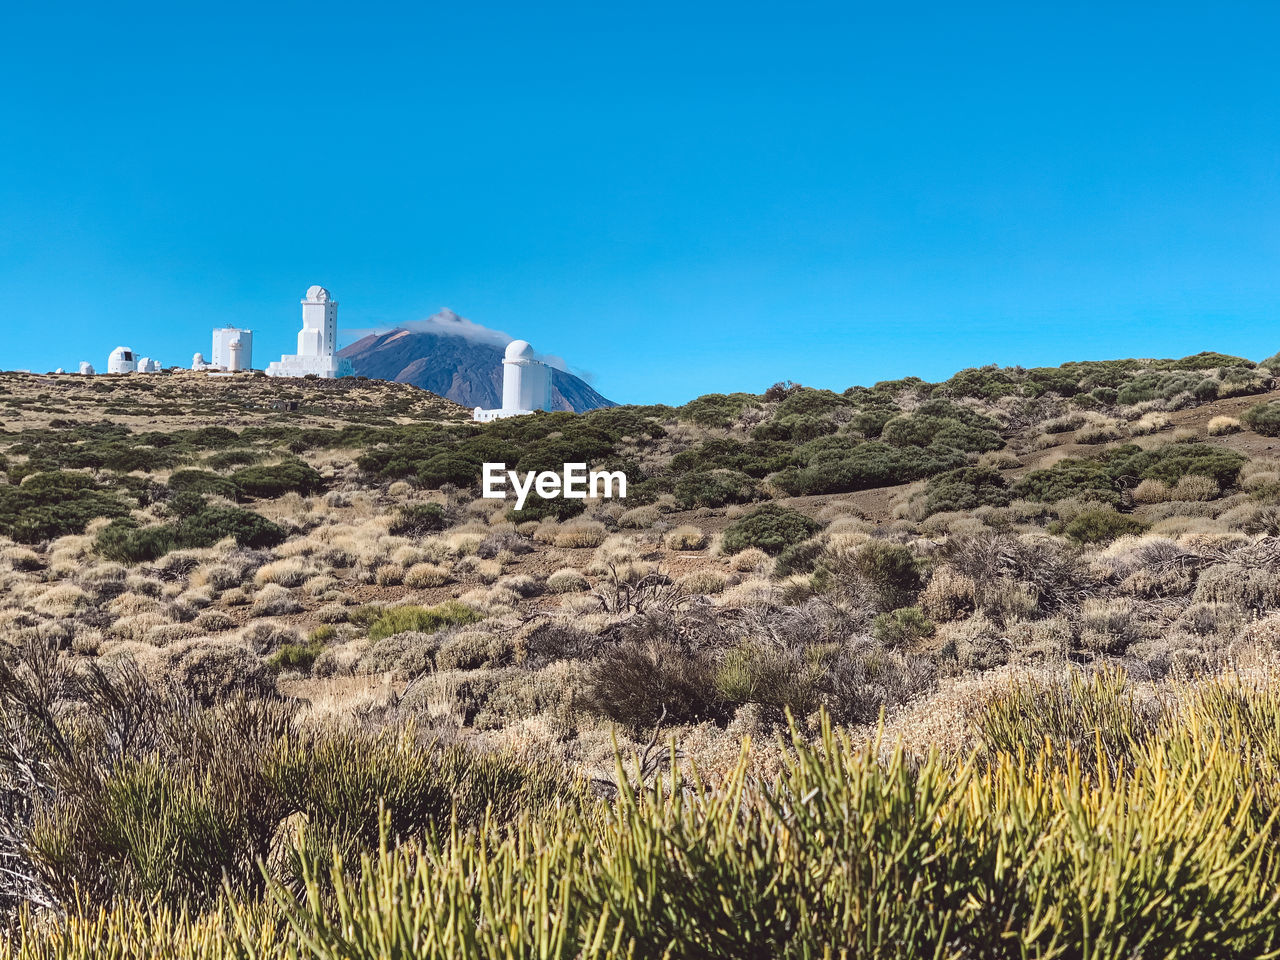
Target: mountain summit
(458, 359)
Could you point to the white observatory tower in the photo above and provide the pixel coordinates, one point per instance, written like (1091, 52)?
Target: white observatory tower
(232, 349)
(317, 341)
(319, 334)
(526, 384)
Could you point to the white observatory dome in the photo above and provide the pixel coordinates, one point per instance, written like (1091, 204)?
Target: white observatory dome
(317, 293)
(519, 350)
(122, 360)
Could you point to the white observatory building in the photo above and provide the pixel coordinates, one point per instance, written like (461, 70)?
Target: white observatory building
(232, 349)
(122, 360)
(317, 341)
(526, 384)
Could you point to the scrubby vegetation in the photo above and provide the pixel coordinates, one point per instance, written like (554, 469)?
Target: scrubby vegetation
(930, 669)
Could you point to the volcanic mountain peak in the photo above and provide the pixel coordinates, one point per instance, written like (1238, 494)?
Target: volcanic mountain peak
(458, 359)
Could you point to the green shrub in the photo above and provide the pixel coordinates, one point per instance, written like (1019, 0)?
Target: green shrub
(798, 558)
(418, 519)
(421, 619)
(1082, 713)
(209, 526)
(889, 572)
(715, 488)
(227, 459)
(966, 489)
(202, 482)
(780, 679)
(1102, 526)
(771, 528)
(716, 409)
(269, 482)
(1086, 479)
(295, 656)
(901, 627)
(123, 540)
(861, 466)
(48, 505)
(1263, 418)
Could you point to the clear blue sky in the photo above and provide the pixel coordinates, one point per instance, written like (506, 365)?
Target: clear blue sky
(678, 198)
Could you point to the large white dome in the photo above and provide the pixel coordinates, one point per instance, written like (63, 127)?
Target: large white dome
(519, 350)
(317, 293)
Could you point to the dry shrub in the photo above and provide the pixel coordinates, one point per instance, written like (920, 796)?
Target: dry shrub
(137, 626)
(289, 572)
(389, 575)
(639, 683)
(545, 641)
(337, 661)
(756, 594)
(405, 655)
(1109, 626)
(686, 537)
(474, 568)
(546, 531)
(640, 518)
(750, 560)
(1221, 426)
(492, 602)
(567, 580)
(274, 600)
(977, 643)
(21, 559)
(219, 576)
(948, 595)
(169, 633)
(521, 584)
(704, 583)
(1049, 639)
(1261, 634)
(128, 604)
(1253, 518)
(422, 576)
(214, 670)
(1209, 619)
(466, 650)
(319, 586)
(1151, 491)
(1195, 487)
(1149, 423)
(581, 533)
(864, 679)
(1250, 589)
(1103, 431)
(236, 597)
(1151, 583)
(214, 621)
(61, 601)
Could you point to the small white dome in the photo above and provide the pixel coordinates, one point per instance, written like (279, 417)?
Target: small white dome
(519, 350)
(317, 293)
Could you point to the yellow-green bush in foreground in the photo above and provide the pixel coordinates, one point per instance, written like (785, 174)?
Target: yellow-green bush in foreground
(1167, 850)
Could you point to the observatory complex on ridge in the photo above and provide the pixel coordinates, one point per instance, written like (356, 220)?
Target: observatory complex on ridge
(526, 384)
(526, 380)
